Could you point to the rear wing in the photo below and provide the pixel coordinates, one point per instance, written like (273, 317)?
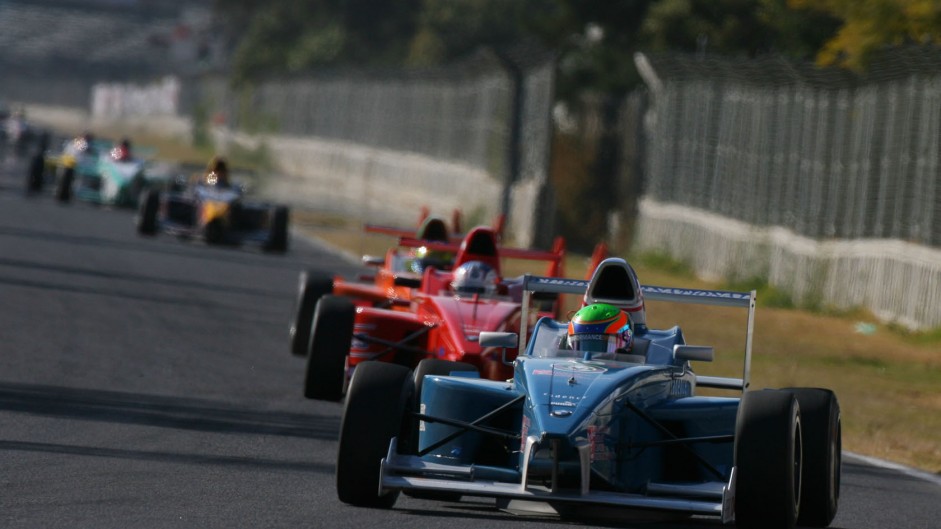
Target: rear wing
(554, 257)
(725, 298)
(457, 235)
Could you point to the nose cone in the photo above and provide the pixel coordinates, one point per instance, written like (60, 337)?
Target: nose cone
(566, 393)
(558, 390)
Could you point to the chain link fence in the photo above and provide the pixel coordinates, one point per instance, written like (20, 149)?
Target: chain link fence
(830, 157)
(461, 115)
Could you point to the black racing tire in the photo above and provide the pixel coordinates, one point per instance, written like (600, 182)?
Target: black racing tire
(330, 337)
(428, 366)
(35, 175)
(311, 287)
(147, 213)
(278, 231)
(372, 415)
(435, 366)
(408, 439)
(64, 185)
(768, 460)
(823, 460)
(214, 232)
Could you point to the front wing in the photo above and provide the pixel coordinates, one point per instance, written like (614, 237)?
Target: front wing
(406, 472)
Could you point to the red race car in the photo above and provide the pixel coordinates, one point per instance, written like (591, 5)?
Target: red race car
(438, 316)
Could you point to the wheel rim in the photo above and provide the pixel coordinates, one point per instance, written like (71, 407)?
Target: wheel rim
(798, 462)
(836, 449)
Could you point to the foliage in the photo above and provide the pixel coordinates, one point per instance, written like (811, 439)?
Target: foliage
(595, 39)
(449, 29)
(278, 37)
(736, 27)
(869, 25)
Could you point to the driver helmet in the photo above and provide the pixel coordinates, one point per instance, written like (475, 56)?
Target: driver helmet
(82, 144)
(475, 277)
(601, 328)
(217, 172)
(122, 152)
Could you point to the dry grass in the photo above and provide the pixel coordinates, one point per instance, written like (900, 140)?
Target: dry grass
(888, 383)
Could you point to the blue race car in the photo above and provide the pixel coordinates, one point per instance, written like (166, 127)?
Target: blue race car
(218, 214)
(573, 429)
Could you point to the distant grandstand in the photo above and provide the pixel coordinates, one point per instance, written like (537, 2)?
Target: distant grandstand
(52, 51)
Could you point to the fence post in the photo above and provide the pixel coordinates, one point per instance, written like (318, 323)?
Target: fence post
(514, 145)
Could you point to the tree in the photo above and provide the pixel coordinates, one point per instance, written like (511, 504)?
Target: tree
(450, 29)
(278, 37)
(736, 27)
(870, 25)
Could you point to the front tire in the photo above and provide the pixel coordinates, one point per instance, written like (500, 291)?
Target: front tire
(34, 177)
(822, 434)
(436, 366)
(768, 460)
(408, 439)
(147, 214)
(373, 414)
(312, 287)
(215, 232)
(64, 185)
(278, 234)
(330, 339)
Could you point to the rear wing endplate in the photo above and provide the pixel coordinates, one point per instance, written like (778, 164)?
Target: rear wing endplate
(725, 298)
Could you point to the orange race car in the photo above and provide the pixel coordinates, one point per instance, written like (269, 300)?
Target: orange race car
(396, 275)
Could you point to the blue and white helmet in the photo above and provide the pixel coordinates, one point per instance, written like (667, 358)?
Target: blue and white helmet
(475, 277)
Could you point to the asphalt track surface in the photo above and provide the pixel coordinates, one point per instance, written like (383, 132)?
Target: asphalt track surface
(147, 383)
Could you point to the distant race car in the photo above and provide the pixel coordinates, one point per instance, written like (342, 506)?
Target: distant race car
(97, 171)
(574, 428)
(16, 133)
(440, 317)
(215, 213)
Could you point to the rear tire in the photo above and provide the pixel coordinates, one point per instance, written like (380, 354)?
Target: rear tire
(278, 235)
(34, 177)
(312, 287)
(215, 232)
(64, 185)
(330, 339)
(768, 460)
(372, 415)
(821, 427)
(147, 213)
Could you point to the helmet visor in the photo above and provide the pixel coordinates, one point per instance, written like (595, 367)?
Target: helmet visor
(596, 343)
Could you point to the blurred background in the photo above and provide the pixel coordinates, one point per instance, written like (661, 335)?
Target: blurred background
(758, 139)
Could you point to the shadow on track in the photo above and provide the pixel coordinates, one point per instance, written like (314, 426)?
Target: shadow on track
(160, 411)
(167, 457)
(107, 274)
(486, 511)
(62, 287)
(232, 255)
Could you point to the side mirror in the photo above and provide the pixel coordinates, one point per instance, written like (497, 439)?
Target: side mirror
(698, 353)
(503, 340)
(410, 282)
(373, 260)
